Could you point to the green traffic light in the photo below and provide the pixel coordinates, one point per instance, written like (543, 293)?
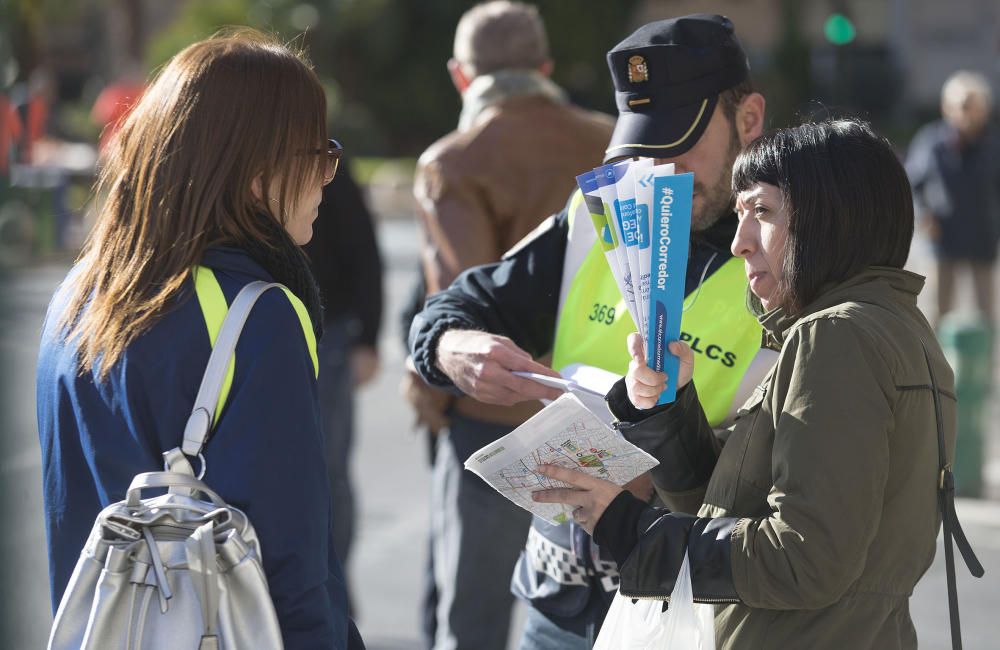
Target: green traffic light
(839, 29)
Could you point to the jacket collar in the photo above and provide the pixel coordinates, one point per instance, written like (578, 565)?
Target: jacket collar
(489, 90)
(235, 260)
(881, 285)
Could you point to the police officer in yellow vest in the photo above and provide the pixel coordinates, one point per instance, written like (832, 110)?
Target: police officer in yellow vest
(683, 94)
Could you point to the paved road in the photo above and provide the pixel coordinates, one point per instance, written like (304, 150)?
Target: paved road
(392, 480)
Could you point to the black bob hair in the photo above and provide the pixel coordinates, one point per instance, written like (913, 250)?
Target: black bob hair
(848, 199)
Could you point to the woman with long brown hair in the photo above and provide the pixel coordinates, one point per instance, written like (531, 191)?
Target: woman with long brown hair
(211, 183)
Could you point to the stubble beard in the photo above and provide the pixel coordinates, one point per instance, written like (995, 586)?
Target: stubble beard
(717, 200)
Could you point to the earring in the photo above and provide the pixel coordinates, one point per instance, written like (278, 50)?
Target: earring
(282, 217)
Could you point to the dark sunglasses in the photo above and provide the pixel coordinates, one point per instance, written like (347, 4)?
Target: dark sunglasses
(333, 152)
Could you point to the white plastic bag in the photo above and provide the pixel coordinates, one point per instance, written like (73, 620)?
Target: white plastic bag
(684, 626)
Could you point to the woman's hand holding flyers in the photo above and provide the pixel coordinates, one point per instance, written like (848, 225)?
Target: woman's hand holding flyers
(644, 384)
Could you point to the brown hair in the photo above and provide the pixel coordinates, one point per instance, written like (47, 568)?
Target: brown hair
(222, 114)
(731, 98)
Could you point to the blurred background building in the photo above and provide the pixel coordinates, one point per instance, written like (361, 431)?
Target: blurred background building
(383, 65)
(389, 95)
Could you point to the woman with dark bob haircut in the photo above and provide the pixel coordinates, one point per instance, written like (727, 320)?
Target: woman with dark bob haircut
(817, 510)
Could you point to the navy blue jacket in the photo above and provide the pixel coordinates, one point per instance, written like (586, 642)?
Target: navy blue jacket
(265, 455)
(959, 184)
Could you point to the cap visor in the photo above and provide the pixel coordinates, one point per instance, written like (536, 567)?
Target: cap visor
(660, 134)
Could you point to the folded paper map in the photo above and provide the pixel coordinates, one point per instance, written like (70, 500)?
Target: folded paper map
(564, 433)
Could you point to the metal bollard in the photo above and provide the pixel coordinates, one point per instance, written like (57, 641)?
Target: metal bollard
(968, 345)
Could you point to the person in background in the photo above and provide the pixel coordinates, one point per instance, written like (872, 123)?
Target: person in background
(511, 162)
(954, 166)
(684, 96)
(818, 509)
(11, 129)
(345, 261)
(128, 334)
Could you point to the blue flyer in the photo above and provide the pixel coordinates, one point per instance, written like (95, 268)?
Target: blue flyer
(670, 230)
(587, 182)
(609, 178)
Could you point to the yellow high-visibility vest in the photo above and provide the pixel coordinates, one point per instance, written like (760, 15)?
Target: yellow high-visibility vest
(594, 324)
(214, 307)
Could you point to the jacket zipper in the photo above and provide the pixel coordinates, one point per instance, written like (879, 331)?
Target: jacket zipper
(703, 601)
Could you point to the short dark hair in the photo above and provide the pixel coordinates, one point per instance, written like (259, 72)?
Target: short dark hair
(501, 35)
(731, 98)
(848, 200)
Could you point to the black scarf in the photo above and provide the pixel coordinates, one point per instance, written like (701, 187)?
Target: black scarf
(284, 260)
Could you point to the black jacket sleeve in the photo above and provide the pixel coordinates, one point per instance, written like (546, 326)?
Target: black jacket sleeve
(517, 297)
(677, 435)
(649, 543)
(345, 258)
(411, 307)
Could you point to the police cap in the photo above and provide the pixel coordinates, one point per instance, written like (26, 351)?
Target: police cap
(668, 76)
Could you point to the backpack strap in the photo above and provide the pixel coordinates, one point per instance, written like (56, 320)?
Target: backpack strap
(199, 549)
(199, 423)
(953, 533)
(952, 528)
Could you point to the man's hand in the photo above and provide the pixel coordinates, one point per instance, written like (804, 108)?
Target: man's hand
(590, 495)
(931, 226)
(364, 365)
(430, 403)
(644, 384)
(480, 365)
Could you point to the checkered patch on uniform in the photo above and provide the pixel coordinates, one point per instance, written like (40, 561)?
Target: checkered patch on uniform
(609, 575)
(563, 566)
(555, 561)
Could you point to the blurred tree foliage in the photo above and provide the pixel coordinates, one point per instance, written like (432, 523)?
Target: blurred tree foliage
(383, 61)
(199, 20)
(787, 81)
(21, 26)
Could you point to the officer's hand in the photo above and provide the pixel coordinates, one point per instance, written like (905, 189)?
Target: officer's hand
(644, 384)
(480, 365)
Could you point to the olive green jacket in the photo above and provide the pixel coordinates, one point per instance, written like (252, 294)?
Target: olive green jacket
(832, 469)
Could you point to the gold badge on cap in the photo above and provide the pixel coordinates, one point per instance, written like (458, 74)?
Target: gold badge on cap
(637, 69)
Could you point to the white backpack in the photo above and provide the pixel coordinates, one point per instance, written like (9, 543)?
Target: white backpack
(180, 570)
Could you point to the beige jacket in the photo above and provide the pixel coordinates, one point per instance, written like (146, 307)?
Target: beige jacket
(833, 468)
(482, 189)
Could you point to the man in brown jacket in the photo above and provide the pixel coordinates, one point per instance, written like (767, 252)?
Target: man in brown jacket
(480, 189)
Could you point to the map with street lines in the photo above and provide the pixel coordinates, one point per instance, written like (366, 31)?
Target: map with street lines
(564, 433)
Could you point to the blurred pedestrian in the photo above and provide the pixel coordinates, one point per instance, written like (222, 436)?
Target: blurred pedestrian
(954, 166)
(212, 182)
(345, 261)
(11, 129)
(38, 96)
(685, 97)
(480, 189)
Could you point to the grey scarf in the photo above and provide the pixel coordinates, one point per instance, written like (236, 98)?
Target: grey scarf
(490, 89)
